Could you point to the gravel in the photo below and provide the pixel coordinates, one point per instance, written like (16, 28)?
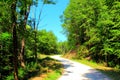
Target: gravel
(77, 71)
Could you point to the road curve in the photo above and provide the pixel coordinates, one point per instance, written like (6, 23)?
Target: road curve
(76, 71)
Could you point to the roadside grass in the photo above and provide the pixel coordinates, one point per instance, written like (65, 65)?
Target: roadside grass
(113, 73)
(41, 56)
(50, 69)
(53, 75)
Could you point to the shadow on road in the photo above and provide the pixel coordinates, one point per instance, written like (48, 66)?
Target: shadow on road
(95, 75)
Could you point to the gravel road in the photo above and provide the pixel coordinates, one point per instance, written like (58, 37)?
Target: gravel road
(76, 71)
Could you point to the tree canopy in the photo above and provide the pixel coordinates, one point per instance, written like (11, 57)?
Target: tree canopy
(17, 38)
(92, 27)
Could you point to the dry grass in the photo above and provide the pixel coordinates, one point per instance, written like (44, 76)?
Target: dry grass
(70, 55)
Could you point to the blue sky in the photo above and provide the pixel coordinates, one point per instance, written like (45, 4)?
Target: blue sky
(50, 18)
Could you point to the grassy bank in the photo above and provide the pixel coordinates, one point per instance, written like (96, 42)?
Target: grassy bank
(53, 75)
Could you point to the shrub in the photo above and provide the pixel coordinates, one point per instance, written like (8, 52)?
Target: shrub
(10, 77)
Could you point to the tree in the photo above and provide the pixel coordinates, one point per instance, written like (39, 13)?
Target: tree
(35, 23)
(63, 47)
(94, 26)
(15, 47)
(5, 53)
(18, 15)
(23, 13)
(47, 42)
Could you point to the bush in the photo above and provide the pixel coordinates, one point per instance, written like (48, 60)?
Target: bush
(32, 66)
(21, 73)
(82, 51)
(10, 77)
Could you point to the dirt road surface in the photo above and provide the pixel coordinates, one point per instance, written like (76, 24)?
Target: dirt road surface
(77, 71)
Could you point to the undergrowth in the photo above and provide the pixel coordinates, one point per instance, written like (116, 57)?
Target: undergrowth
(47, 66)
(53, 75)
(50, 69)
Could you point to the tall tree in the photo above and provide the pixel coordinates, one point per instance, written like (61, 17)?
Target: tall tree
(24, 9)
(97, 23)
(47, 42)
(15, 47)
(36, 21)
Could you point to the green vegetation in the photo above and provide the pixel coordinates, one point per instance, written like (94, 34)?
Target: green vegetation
(63, 47)
(93, 30)
(21, 41)
(53, 75)
(47, 42)
(46, 69)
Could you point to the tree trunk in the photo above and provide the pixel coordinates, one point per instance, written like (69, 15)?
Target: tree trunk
(35, 48)
(106, 60)
(0, 48)
(35, 39)
(15, 60)
(15, 51)
(22, 52)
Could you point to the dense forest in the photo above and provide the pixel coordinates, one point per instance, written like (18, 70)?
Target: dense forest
(93, 30)
(20, 40)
